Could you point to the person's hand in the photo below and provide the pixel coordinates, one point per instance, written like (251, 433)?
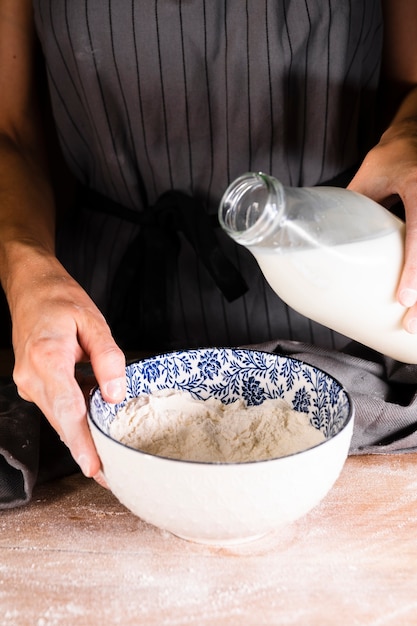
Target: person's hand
(389, 173)
(56, 325)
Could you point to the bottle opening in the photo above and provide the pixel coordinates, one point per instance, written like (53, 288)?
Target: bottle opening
(248, 206)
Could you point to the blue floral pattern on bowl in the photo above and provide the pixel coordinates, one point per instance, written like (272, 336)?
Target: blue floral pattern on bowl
(229, 374)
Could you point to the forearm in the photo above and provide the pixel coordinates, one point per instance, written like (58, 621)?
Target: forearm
(27, 222)
(399, 67)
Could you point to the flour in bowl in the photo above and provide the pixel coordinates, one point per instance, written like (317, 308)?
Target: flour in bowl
(173, 424)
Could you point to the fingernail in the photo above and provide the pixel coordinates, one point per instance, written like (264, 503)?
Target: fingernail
(85, 465)
(115, 389)
(408, 297)
(412, 326)
(101, 479)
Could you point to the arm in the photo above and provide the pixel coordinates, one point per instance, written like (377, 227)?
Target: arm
(389, 170)
(55, 323)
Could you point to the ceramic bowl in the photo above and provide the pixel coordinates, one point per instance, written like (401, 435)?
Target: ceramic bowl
(225, 503)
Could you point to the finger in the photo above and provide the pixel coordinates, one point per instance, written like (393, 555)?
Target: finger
(410, 320)
(407, 287)
(382, 188)
(109, 367)
(55, 391)
(372, 183)
(101, 480)
(108, 363)
(69, 418)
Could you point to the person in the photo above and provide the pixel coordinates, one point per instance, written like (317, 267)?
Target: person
(157, 107)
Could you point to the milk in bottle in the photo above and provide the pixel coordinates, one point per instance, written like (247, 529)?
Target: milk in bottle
(331, 254)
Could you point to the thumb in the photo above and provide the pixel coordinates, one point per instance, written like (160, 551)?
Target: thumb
(372, 186)
(107, 359)
(109, 368)
(108, 363)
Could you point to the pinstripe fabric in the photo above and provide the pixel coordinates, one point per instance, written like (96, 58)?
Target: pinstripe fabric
(188, 94)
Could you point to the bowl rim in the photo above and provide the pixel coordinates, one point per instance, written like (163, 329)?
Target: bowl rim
(348, 422)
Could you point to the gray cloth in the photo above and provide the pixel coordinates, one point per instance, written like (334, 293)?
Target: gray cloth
(30, 450)
(384, 393)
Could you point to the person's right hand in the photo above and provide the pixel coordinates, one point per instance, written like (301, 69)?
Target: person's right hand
(56, 325)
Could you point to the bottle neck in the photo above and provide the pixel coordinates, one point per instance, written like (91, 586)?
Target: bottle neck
(250, 207)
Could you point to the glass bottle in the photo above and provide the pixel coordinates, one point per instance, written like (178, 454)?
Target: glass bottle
(331, 254)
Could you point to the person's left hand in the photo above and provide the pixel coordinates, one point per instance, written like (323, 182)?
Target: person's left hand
(387, 174)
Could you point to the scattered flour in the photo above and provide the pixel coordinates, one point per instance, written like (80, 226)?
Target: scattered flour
(173, 424)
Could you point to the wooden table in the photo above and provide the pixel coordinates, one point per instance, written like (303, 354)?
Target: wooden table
(77, 557)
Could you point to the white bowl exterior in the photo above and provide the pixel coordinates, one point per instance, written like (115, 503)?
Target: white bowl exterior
(228, 503)
(221, 503)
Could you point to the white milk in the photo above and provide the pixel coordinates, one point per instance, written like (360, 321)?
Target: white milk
(349, 288)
